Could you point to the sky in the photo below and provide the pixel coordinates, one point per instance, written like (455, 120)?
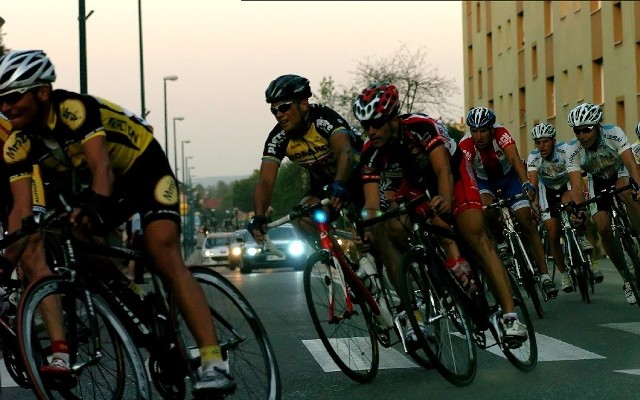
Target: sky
(225, 53)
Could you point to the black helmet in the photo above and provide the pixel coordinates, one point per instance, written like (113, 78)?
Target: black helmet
(288, 87)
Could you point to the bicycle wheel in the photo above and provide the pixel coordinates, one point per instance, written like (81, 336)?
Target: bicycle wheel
(525, 356)
(116, 371)
(632, 250)
(425, 289)
(242, 337)
(347, 331)
(525, 268)
(581, 268)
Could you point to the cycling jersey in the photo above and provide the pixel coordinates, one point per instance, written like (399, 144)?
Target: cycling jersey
(635, 148)
(603, 161)
(489, 163)
(312, 149)
(552, 172)
(405, 159)
(57, 148)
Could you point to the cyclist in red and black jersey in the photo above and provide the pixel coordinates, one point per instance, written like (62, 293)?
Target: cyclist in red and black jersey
(431, 161)
(313, 136)
(124, 170)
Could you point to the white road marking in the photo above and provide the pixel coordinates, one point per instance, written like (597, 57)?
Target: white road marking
(551, 349)
(631, 327)
(389, 358)
(628, 371)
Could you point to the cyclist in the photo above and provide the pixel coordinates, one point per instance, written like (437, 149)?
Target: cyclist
(604, 153)
(498, 166)
(548, 174)
(316, 138)
(419, 149)
(114, 153)
(635, 148)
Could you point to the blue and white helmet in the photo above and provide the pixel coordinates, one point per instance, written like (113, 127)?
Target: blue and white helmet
(543, 131)
(481, 117)
(585, 114)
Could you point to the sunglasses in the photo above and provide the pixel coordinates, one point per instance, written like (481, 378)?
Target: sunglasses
(586, 129)
(373, 123)
(283, 108)
(14, 97)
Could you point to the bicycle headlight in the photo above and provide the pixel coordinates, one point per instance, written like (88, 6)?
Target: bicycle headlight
(320, 216)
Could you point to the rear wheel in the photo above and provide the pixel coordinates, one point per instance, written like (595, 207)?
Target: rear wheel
(346, 330)
(429, 296)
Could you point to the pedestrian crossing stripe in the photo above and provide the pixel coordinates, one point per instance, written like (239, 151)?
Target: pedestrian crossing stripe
(628, 371)
(551, 349)
(631, 327)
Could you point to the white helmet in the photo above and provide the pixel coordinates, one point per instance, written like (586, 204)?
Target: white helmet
(585, 114)
(543, 131)
(638, 129)
(24, 69)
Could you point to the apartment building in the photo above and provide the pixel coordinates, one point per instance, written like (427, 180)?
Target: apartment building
(534, 61)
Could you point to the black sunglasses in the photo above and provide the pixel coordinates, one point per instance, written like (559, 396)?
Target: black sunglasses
(283, 108)
(11, 98)
(586, 129)
(373, 123)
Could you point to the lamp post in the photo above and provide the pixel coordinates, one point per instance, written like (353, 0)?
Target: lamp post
(183, 158)
(166, 123)
(143, 113)
(175, 146)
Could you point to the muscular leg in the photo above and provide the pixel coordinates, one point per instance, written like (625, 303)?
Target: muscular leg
(552, 226)
(611, 246)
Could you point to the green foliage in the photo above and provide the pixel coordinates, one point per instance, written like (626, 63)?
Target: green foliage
(290, 188)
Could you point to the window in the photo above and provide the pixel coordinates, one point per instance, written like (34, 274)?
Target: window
(563, 8)
(520, 28)
(617, 23)
(638, 68)
(478, 24)
(579, 84)
(489, 50)
(508, 34)
(548, 18)
(620, 112)
(480, 83)
(598, 81)
(510, 105)
(551, 98)
(534, 61)
(522, 106)
(565, 87)
(595, 5)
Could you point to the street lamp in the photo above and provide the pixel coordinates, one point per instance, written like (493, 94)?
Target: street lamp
(175, 146)
(166, 123)
(183, 158)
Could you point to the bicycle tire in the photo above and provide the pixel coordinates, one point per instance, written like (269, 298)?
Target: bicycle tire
(119, 373)
(632, 249)
(243, 339)
(525, 357)
(523, 262)
(349, 337)
(452, 349)
(581, 269)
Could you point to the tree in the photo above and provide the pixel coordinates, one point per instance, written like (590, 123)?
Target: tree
(421, 86)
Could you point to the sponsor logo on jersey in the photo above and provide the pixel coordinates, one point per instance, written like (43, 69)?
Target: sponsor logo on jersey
(16, 149)
(275, 142)
(323, 123)
(119, 125)
(72, 113)
(504, 140)
(309, 152)
(166, 191)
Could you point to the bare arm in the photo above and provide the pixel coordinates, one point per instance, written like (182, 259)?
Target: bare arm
(264, 187)
(341, 146)
(97, 156)
(511, 153)
(439, 159)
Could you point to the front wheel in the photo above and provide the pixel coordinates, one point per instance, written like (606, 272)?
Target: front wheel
(242, 337)
(342, 320)
(106, 363)
(430, 299)
(525, 268)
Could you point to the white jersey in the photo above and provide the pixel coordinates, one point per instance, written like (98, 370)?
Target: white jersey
(604, 161)
(552, 172)
(635, 149)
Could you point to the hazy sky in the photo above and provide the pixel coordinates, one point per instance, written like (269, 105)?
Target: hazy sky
(225, 53)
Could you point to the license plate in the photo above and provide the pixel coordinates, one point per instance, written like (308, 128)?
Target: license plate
(273, 257)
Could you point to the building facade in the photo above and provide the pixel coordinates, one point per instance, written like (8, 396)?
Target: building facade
(534, 61)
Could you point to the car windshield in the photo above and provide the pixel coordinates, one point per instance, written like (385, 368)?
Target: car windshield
(213, 242)
(279, 233)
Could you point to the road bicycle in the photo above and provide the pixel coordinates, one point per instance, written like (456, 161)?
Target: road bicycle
(107, 317)
(349, 318)
(577, 260)
(459, 320)
(523, 268)
(623, 232)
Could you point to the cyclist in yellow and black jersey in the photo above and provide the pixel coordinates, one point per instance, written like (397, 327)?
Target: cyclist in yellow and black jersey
(125, 171)
(313, 136)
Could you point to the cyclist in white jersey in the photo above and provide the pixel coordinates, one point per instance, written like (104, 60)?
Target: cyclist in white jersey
(547, 170)
(604, 153)
(635, 148)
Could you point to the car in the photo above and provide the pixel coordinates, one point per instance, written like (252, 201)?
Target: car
(215, 249)
(292, 251)
(235, 248)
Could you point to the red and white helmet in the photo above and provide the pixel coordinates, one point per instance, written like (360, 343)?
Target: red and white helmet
(379, 100)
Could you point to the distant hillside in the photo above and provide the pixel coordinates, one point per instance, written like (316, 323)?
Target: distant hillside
(213, 180)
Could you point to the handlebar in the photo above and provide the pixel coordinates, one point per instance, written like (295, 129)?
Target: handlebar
(502, 202)
(607, 193)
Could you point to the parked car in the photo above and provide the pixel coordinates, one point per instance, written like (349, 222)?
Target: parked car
(235, 248)
(292, 248)
(215, 249)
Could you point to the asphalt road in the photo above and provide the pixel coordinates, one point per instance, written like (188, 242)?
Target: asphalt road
(586, 351)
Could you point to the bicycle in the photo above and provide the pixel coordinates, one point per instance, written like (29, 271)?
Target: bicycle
(107, 318)
(350, 321)
(577, 261)
(623, 232)
(523, 267)
(469, 316)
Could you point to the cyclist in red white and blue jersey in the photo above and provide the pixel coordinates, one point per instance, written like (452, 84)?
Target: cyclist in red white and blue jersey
(498, 166)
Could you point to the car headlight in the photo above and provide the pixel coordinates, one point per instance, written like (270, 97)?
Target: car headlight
(296, 248)
(208, 253)
(252, 251)
(236, 251)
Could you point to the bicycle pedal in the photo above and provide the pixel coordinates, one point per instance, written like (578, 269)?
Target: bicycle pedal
(512, 343)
